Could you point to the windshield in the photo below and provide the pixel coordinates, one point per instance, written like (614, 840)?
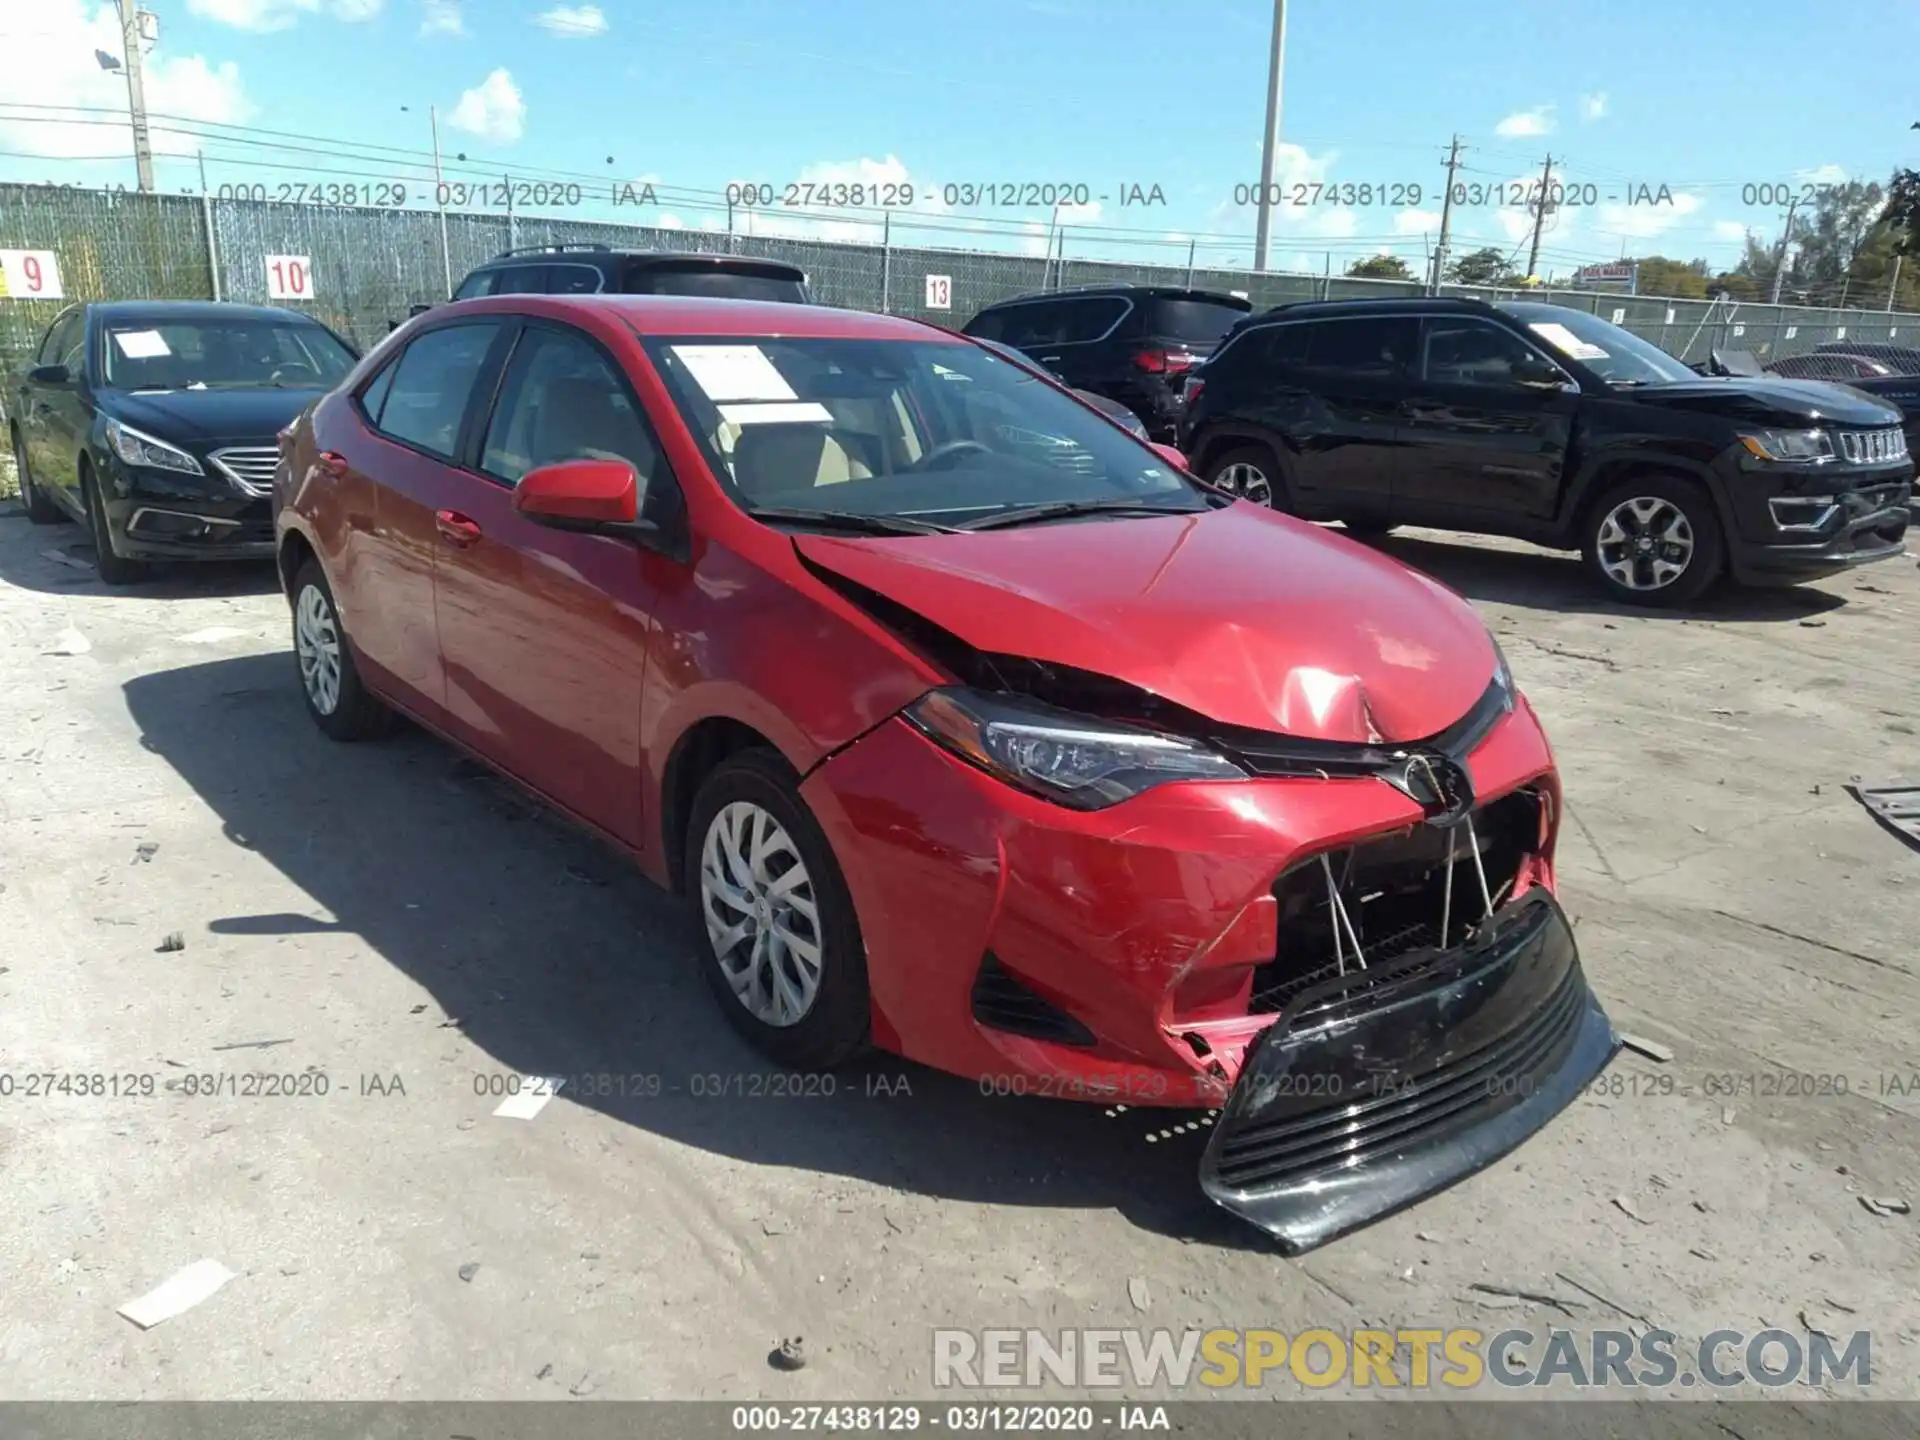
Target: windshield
(1198, 322)
(231, 354)
(931, 431)
(706, 280)
(1617, 356)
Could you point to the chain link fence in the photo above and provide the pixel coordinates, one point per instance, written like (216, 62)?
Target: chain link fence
(369, 264)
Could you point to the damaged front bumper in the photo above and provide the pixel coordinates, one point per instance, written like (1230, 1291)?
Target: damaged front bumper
(1383, 1085)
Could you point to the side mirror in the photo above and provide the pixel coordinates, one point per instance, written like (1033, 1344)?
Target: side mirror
(1171, 454)
(413, 310)
(583, 495)
(49, 375)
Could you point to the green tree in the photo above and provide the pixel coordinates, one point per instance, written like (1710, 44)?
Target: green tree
(1380, 267)
(1481, 267)
(1685, 280)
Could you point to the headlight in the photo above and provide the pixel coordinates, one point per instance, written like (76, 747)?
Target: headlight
(138, 448)
(1076, 760)
(1799, 445)
(1502, 672)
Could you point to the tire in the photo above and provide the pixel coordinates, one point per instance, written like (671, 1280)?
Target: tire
(113, 568)
(1252, 473)
(343, 707)
(829, 1025)
(1677, 519)
(40, 510)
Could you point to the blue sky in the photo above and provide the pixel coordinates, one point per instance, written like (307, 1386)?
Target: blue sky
(1706, 101)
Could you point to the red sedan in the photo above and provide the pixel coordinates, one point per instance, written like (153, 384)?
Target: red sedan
(970, 726)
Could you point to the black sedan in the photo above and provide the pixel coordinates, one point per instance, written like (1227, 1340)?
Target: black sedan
(155, 424)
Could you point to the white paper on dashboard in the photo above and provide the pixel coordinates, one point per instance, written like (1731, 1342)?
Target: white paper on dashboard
(799, 412)
(141, 344)
(734, 372)
(1564, 339)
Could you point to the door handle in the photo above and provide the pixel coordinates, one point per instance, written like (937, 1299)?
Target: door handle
(331, 461)
(455, 528)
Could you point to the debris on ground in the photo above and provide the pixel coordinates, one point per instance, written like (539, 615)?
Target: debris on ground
(532, 1099)
(214, 636)
(574, 872)
(1625, 1207)
(1813, 624)
(70, 642)
(583, 1386)
(252, 1044)
(788, 1355)
(1652, 1049)
(1138, 1293)
(60, 557)
(543, 1372)
(1895, 805)
(144, 852)
(1886, 1207)
(1504, 1297)
(775, 1227)
(469, 1270)
(177, 1294)
(173, 941)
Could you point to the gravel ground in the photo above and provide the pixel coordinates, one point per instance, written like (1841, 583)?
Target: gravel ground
(390, 918)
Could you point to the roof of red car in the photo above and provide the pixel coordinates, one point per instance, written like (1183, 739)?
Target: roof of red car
(704, 315)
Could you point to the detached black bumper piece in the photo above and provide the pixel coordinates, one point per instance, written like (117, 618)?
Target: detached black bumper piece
(1375, 1089)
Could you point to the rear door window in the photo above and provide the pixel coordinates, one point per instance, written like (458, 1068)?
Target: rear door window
(572, 280)
(432, 386)
(1368, 347)
(478, 283)
(521, 280)
(1197, 322)
(1091, 319)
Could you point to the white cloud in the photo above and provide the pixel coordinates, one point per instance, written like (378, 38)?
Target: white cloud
(442, 17)
(1643, 222)
(1417, 222)
(354, 11)
(573, 22)
(1729, 230)
(49, 61)
(493, 109)
(671, 221)
(1594, 106)
(1822, 175)
(1522, 123)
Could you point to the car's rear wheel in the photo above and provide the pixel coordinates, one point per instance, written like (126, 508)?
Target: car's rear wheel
(1655, 541)
(1250, 472)
(339, 703)
(113, 567)
(40, 510)
(776, 924)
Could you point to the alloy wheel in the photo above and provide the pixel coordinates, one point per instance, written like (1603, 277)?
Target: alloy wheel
(1247, 481)
(316, 638)
(761, 913)
(1645, 543)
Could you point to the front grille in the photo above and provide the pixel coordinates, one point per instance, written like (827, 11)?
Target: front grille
(1001, 1002)
(1873, 447)
(249, 466)
(1471, 1088)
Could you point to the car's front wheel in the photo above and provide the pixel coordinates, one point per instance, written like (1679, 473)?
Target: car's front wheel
(1655, 541)
(1251, 473)
(339, 703)
(780, 941)
(114, 568)
(40, 510)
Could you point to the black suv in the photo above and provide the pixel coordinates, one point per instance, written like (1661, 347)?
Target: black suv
(1130, 343)
(1553, 426)
(596, 269)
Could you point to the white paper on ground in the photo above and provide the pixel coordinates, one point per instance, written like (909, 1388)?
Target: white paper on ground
(215, 635)
(178, 1294)
(535, 1092)
(141, 344)
(734, 372)
(1566, 340)
(799, 412)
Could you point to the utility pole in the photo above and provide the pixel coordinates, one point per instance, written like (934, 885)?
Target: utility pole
(1894, 285)
(1540, 216)
(1270, 141)
(1780, 264)
(1446, 221)
(136, 92)
(440, 199)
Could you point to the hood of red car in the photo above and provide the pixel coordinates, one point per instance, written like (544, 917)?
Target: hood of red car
(1251, 618)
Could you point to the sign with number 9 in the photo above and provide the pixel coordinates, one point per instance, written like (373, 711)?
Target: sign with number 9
(30, 275)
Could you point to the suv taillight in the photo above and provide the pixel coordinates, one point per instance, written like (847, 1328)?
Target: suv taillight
(1190, 392)
(1163, 362)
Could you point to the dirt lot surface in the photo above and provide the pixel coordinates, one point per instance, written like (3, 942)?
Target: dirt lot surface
(389, 917)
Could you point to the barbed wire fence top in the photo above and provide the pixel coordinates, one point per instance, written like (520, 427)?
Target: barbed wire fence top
(365, 265)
